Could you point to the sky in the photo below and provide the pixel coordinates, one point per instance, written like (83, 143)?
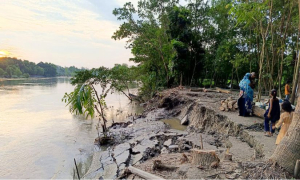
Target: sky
(63, 32)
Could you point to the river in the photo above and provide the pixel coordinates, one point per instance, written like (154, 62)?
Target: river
(39, 138)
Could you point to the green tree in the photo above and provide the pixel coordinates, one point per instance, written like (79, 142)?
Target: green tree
(272, 26)
(67, 73)
(49, 69)
(86, 100)
(39, 71)
(13, 71)
(26, 75)
(42, 69)
(187, 43)
(146, 28)
(124, 76)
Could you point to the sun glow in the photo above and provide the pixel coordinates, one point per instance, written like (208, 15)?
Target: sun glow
(3, 53)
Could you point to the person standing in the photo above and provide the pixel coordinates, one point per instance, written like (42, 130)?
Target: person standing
(246, 95)
(252, 79)
(272, 114)
(287, 91)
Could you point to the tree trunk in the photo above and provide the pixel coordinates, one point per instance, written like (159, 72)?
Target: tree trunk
(193, 73)
(237, 76)
(231, 81)
(181, 80)
(280, 76)
(158, 165)
(259, 112)
(295, 81)
(143, 174)
(260, 70)
(282, 51)
(287, 152)
(296, 71)
(204, 158)
(271, 85)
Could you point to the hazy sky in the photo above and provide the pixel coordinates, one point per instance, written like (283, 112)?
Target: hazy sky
(64, 32)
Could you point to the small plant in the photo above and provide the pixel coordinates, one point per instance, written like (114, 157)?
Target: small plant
(87, 100)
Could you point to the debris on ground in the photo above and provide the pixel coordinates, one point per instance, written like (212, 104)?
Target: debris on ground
(147, 143)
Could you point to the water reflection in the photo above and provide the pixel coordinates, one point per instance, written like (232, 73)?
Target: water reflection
(33, 82)
(174, 124)
(39, 138)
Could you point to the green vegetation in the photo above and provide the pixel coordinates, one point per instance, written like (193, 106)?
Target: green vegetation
(199, 44)
(86, 99)
(217, 42)
(14, 68)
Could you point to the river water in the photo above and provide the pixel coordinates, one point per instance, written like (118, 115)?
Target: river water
(39, 138)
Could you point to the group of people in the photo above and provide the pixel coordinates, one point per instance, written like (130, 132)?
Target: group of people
(273, 118)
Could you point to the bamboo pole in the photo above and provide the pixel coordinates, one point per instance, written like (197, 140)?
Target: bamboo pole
(201, 141)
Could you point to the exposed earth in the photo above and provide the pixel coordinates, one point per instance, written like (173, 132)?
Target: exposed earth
(146, 138)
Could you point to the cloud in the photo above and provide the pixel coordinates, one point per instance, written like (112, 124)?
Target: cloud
(55, 18)
(122, 2)
(135, 2)
(61, 32)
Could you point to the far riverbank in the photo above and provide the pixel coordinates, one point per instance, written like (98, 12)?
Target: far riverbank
(32, 78)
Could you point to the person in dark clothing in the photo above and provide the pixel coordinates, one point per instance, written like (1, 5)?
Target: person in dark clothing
(272, 114)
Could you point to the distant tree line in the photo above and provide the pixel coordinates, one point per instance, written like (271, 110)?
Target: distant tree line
(15, 68)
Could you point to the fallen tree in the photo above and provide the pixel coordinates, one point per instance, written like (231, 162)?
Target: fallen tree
(228, 105)
(223, 90)
(259, 112)
(158, 165)
(143, 174)
(217, 90)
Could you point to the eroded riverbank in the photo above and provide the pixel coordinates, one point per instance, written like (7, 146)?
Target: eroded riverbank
(146, 138)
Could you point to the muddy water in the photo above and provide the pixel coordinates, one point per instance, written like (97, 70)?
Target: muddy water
(39, 138)
(174, 124)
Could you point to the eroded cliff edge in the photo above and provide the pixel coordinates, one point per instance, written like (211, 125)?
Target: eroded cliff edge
(145, 138)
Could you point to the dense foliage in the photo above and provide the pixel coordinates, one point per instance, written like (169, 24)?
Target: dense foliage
(211, 43)
(12, 68)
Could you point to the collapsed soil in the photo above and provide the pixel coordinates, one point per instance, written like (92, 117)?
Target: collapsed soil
(225, 170)
(145, 138)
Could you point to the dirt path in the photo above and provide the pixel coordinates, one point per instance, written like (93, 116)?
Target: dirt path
(252, 127)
